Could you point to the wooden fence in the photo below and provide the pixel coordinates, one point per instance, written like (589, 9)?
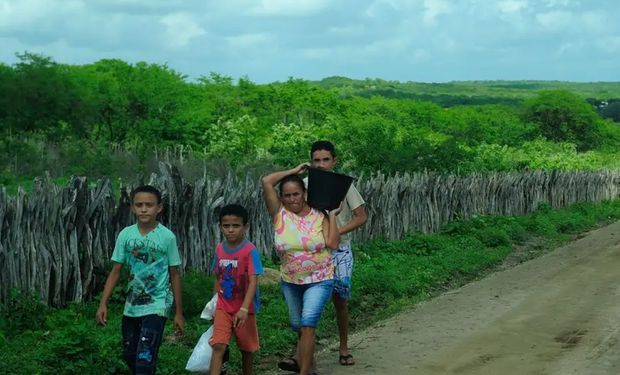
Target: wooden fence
(57, 241)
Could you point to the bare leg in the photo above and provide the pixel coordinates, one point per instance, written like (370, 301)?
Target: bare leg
(297, 354)
(246, 359)
(216, 359)
(306, 350)
(342, 317)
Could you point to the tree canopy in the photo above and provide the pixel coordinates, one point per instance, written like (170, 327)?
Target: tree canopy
(51, 111)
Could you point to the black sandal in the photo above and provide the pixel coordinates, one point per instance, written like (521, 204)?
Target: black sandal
(289, 364)
(344, 360)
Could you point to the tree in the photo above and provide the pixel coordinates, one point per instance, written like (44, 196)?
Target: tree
(137, 102)
(562, 116)
(38, 95)
(612, 110)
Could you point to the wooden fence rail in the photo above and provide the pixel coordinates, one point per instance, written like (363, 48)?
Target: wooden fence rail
(57, 241)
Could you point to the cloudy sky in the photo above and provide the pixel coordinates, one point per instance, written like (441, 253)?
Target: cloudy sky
(271, 40)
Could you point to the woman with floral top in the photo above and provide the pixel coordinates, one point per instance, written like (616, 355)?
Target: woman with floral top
(304, 238)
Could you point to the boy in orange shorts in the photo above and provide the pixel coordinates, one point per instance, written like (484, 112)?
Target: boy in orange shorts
(236, 265)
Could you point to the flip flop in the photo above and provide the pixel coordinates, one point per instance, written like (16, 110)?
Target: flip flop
(289, 364)
(346, 360)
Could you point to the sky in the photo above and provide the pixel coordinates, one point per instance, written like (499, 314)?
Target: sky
(273, 40)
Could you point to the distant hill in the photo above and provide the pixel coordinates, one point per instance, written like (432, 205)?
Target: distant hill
(467, 92)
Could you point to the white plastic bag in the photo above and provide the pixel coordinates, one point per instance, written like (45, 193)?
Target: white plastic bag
(209, 310)
(200, 360)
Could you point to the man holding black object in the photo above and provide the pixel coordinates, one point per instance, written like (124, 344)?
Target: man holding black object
(352, 216)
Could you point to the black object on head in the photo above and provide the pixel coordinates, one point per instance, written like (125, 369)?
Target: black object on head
(327, 189)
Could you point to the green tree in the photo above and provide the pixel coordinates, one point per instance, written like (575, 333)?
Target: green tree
(562, 116)
(487, 124)
(136, 103)
(234, 140)
(612, 110)
(38, 95)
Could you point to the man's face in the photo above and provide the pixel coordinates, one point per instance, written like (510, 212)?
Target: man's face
(323, 159)
(146, 208)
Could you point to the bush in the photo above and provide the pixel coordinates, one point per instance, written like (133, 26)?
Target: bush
(71, 350)
(197, 291)
(493, 237)
(466, 226)
(421, 245)
(572, 223)
(563, 116)
(22, 312)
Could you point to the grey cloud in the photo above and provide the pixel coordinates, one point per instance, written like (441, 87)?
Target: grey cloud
(394, 39)
(142, 7)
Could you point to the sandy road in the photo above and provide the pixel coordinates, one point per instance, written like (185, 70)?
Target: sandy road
(558, 314)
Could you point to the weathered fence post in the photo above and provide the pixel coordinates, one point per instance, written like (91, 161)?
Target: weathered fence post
(56, 242)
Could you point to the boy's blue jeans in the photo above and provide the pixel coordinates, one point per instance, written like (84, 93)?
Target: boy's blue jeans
(141, 339)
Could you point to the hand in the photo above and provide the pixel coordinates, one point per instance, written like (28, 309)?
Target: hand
(240, 318)
(301, 168)
(179, 324)
(336, 211)
(102, 315)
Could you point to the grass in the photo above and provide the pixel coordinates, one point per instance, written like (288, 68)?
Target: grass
(389, 276)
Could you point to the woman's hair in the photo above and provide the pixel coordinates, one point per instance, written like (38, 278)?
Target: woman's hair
(292, 178)
(300, 182)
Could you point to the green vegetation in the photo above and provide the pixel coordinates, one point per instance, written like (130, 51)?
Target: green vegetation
(467, 92)
(116, 119)
(389, 276)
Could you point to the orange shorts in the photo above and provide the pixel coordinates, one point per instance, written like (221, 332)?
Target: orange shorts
(246, 335)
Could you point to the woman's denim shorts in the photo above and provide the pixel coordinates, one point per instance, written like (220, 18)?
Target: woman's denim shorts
(306, 302)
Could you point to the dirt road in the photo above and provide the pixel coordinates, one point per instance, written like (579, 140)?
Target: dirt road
(558, 314)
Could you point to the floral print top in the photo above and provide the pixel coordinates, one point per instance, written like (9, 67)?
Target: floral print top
(301, 247)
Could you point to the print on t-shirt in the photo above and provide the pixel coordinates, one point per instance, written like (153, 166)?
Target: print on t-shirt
(147, 260)
(232, 289)
(228, 283)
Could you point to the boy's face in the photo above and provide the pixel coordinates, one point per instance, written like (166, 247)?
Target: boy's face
(323, 159)
(233, 229)
(146, 208)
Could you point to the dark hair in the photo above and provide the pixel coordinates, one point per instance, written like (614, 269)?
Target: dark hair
(234, 210)
(323, 145)
(146, 189)
(292, 178)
